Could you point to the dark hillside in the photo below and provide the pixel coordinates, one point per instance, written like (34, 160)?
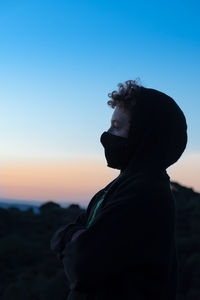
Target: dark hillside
(29, 269)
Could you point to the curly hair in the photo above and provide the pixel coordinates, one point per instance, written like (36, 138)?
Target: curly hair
(127, 95)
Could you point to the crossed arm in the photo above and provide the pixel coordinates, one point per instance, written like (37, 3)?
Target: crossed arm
(114, 244)
(67, 233)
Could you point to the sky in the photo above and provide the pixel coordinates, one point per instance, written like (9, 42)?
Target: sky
(59, 60)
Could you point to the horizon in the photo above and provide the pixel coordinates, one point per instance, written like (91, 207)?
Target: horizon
(33, 203)
(83, 205)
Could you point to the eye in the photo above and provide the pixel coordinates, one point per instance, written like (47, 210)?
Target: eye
(115, 127)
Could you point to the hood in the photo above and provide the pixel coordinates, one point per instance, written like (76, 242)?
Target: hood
(158, 131)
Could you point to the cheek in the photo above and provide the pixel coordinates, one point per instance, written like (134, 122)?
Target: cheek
(121, 132)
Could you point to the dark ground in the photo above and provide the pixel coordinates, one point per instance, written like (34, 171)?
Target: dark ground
(29, 270)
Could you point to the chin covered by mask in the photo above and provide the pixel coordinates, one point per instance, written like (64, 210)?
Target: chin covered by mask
(117, 151)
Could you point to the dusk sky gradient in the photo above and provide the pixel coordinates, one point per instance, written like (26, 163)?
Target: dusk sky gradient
(59, 60)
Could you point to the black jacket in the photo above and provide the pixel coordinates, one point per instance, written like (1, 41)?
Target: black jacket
(129, 250)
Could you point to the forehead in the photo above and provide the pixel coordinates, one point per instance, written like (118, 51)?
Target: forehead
(120, 115)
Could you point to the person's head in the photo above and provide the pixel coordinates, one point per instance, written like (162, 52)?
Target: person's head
(146, 125)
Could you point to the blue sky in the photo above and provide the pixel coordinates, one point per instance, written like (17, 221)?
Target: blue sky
(60, 59)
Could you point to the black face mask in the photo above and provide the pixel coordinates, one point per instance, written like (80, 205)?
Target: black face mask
(116, 150)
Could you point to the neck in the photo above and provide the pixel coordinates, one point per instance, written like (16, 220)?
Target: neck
(145, 164)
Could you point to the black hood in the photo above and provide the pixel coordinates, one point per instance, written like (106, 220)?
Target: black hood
(158, 131)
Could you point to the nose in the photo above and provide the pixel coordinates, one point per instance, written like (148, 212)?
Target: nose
(109, 130)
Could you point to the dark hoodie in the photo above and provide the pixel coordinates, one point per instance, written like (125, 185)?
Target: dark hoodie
(129, 249)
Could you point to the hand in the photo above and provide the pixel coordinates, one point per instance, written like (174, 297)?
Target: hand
(63, 235)
(60, 255)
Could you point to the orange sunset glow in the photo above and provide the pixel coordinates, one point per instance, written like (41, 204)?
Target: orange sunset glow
(78, 180)
(68, 181)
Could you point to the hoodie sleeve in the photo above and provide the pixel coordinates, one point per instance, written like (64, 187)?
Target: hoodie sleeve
(64, 234)
(116, 240)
